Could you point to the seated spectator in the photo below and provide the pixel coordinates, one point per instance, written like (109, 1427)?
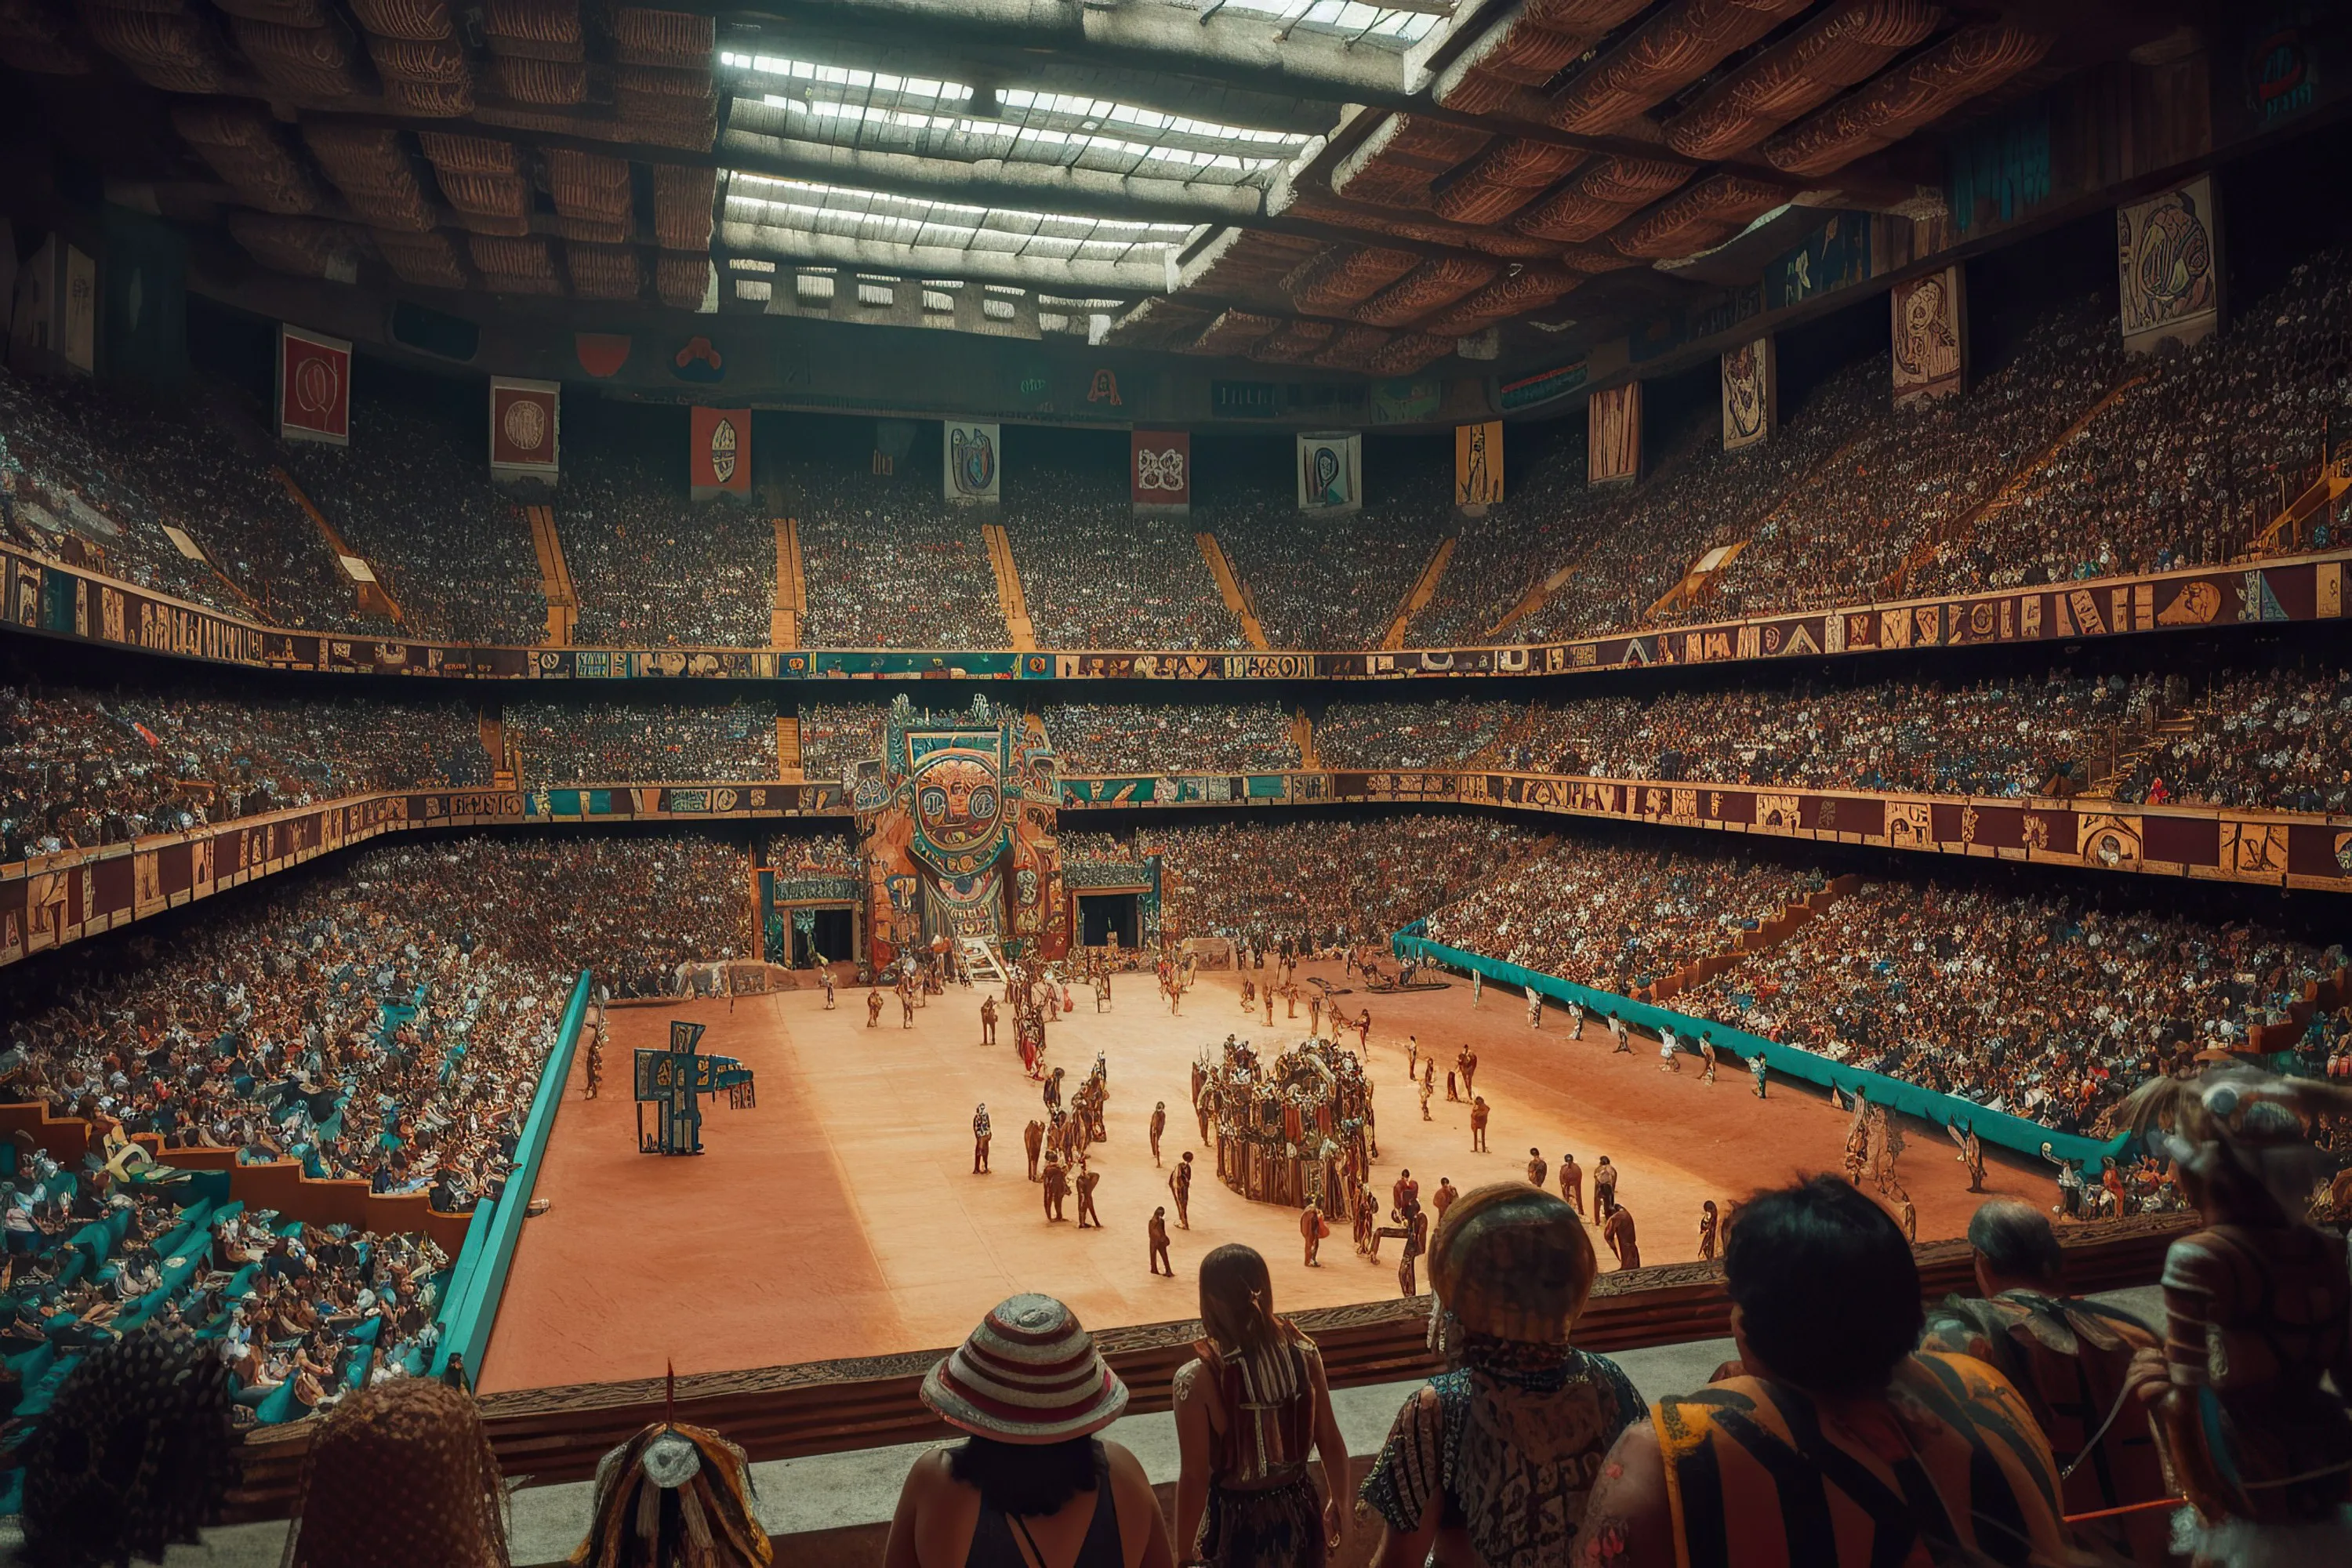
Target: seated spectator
(652, 567)
(1326, 884)
(1834, 1443)
(890, 565)
(1030, 1483)
(1099, 738)
(1095, 575)
(2023, 1324)
(1441, 734)
(837, 736)
(1495, 1460)
(1248, 1407)
(401, 1474)
(617, 742)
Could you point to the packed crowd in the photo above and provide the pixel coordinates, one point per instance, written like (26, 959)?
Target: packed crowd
(890, 565)
(1333, 580)
(1326, 884)
(651, 567)
(837, 736)
(2025, 1001)
(80, 768)
(412, 494)
(791, 852)
(1617, 919)
(2277, 739)
(1095, 575)
(635, 742)
(1174, 737)
(1409, 735)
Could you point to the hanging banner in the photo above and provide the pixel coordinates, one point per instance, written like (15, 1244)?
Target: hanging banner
(1160, 469)
(1930, 336)
(314, 387)
(1750, 395)
(718, 452)
(1331, 471)
(2166, 250)
(524, 425)
(1478, 465)
(77, 343)
(1613, 453)
(973, 473)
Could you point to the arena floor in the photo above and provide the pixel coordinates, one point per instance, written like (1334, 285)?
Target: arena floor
(839, 1217)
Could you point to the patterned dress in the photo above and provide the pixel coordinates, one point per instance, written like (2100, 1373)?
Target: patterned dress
(1512, 1443)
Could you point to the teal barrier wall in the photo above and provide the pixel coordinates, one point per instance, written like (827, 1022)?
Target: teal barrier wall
(471, 1307)
(1992, 1126)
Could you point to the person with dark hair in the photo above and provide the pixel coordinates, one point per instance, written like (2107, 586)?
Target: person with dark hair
(1832, 1444)
(1491, 1461)
(2069, 1359)
(1250, 1406)
(401, 1473)
(135, 1454)
(1031, 1483)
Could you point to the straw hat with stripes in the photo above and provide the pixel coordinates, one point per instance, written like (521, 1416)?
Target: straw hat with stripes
(1029, 1373)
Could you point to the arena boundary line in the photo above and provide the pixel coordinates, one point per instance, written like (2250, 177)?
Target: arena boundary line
(1998, 1126)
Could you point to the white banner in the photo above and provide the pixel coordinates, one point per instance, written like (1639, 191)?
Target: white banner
(1331, 471)
(973, 459)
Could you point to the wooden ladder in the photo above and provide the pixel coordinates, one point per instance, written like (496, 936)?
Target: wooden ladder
(1229, 587)
(374, 593)
(1008, 597)
(554, 576)
(1424, 589)
(791, 611)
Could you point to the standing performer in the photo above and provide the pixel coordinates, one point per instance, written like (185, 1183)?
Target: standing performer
(1756, 1066)
(905, 1005)
(1469, 1072)
(981, 1133)
(1160, 1125)
(873, 1008)
(1315, 1013)
(1964, 1133)
(1088, 1179)
(596, 1060)
(1180, 1186)
(1604, 1186)
(1053, 1089)
(1205, 1106)
(1706, 1055)
(1670, 1055)
(1417, 1242)
(1413, 1058)
(1057, 1184)
(1709, 1230)
(1440, 1200)
(1571, 1183)
(987, 1020)
(1452, 1094)
(1312, 1228)
(1536, 1169)
(1267, 995)
(1624, 1047)
(1479, 1114)
(1424, 1101)
(1617, 1230)
(824, 978)
(1157, 1231)
(1535, 1008)
(1033, 1137)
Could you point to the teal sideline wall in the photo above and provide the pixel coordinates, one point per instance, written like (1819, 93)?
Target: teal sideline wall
(1992, 1126)
(479, 1279)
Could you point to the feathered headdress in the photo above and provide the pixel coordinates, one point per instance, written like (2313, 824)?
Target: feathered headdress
(2242, 1120)
(674, 1495)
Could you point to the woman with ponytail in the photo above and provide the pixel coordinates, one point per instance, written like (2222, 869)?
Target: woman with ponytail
(1249, 1411)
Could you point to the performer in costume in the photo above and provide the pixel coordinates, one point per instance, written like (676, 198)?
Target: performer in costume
(980, 1131)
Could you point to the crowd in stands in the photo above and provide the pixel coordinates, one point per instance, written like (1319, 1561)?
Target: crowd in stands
(651, 567)
(80, 768)
(836, 736)
(1617, 919)
(1329, 883)
(1409, 735)
(1173, 738)
(1094, 574)
(412, 495)
(2035, 1003)
(635, 742)
(1328, 581)
(2278, 739)
(818, 852)
(890, 565)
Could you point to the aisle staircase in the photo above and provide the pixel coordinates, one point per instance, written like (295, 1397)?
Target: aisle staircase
(1229, 586)
(1009, 596)
(788, 748)
(791, 611)
(1535, 598)
(1696, 581)
(554, 576)
(491, 725)
(1302, 735)
(367, 584)
(2172, 728)
(982, 961)
(2282, 532)
(1424, 589)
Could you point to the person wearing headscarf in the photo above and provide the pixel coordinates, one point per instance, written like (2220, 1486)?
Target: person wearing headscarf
(134, 1455)
(1031, 1482)
(1250, 1408)
(1491, 1462)
(397, 1476)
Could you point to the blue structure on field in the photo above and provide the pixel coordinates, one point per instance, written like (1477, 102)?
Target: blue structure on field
(675, 1080)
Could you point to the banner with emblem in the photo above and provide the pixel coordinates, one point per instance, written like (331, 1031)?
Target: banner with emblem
(1931, 336)
(972, 455)
(2167, 268)
(1478, 465)
(314, 387)
(1331, 471)
(1160, 470)
(718, 452)
(1613, 436)
(1749, 395)
(524, 428)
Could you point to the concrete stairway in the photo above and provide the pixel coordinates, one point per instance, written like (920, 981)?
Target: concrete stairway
(367, 584)
(788, 748)
(1009, 596)
(554, 576)
(791, 611)
(1229, 586)
(1424, 589)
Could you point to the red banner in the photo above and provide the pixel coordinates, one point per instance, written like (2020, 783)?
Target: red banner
(524, 426)
(1159, 468)
(718, 452)
(314, 387)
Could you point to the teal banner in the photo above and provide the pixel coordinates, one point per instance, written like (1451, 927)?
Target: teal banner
(1992, 1126)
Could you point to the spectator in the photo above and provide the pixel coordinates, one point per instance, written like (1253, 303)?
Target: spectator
(1493, 1459)
(401, 1474)
(1099, 738)
(617, 742)
(1030, 1483)
(1845, 1442)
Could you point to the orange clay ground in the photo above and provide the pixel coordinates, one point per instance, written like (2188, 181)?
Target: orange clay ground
(839, 1217)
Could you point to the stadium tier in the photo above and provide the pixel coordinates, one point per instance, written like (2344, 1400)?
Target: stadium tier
(1629, 718)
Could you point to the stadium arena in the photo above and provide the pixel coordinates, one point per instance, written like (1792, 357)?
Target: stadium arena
(1248, 783)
